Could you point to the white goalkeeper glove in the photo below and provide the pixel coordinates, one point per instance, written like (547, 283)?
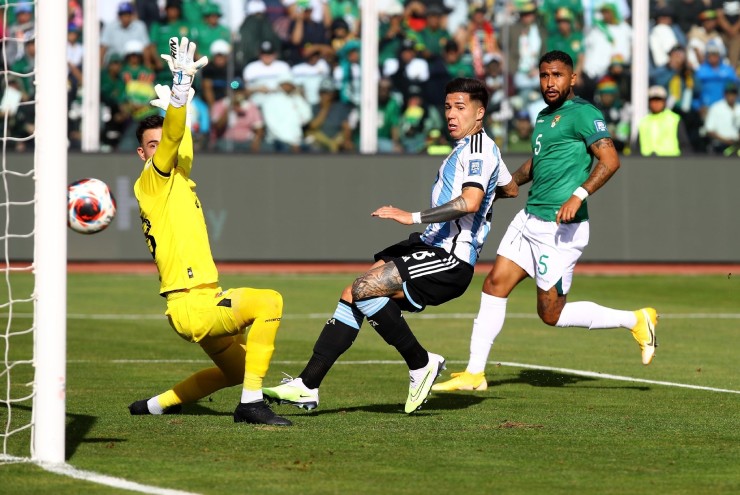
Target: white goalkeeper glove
(183, 68)
(163, 100)
(163, 93)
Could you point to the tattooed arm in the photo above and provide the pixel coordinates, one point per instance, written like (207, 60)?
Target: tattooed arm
(607, 163)
(468, 202)
(523, 174)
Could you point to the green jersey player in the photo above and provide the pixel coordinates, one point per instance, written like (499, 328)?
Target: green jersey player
(572, 157)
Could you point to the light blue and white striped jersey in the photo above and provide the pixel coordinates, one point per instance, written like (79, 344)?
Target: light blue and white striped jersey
(476, 161)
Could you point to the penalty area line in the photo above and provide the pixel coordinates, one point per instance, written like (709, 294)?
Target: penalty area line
(607, 376)
(112, 481)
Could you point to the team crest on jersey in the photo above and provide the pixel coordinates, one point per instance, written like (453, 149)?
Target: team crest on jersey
(600, 125)
(555, 121)
(475, 167)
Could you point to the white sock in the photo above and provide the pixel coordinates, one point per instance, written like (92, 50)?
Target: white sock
(590, 315)
(486, 327)
(153, 406)
(251, 396)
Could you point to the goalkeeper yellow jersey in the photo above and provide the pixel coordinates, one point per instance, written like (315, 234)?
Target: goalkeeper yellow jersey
(171, 214)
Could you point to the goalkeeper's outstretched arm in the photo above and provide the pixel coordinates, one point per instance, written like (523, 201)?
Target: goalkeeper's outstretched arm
(184, 68)
(173, 130)
(185, 150)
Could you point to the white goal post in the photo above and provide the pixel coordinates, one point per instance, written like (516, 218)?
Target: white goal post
(50, 243)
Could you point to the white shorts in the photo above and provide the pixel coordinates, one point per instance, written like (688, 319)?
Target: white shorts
(548, 252)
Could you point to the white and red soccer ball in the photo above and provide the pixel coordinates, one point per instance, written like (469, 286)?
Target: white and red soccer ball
(90, 206)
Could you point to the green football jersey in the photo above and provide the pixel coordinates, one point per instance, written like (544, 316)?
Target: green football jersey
(561, 160)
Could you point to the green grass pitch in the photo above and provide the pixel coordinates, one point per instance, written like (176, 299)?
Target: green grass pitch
(532, 432)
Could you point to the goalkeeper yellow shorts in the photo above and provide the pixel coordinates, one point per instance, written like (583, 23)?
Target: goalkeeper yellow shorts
(201, 312)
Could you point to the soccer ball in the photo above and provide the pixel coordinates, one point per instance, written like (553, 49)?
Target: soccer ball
(90, 206)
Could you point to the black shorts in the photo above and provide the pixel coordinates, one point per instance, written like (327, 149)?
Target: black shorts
(431, 276)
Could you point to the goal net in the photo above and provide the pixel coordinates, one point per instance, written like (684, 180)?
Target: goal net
(33, 169)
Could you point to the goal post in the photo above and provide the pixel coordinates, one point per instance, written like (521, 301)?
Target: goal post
(50, 243)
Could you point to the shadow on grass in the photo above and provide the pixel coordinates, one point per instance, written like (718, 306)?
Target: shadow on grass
(199, 409)
(78, 426)
(547, 378)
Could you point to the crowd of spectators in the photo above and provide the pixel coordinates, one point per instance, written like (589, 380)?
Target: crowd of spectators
(284, 75)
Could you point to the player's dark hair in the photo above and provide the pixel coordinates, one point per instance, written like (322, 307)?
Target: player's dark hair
(556, 56)
(151, 122)
(475, 89)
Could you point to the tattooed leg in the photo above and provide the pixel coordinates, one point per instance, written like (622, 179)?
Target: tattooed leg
(381, 281)
(549, 305)
(371, 293)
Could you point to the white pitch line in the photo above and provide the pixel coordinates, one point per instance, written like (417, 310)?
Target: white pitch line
(596, 374)
(102, 479)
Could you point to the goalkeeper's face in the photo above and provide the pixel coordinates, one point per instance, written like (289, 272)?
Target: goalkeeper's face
(149, 142)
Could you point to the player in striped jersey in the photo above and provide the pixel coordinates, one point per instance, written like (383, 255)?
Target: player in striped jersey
(426, 269)
(175, 231)
(545, 240)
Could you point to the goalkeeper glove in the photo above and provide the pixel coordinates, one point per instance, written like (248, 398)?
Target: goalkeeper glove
(183, 68)
(163, 100)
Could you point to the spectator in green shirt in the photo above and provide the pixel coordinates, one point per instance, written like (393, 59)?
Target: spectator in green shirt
(25, 65)
(434, 36)
(567, 39)
(112, 96)
(193, 10)
(390, 37)
(209, 29)
(389, 119)
(160, 34)
(550, 8)
(349, 10)
(458, 64)
(112, 87)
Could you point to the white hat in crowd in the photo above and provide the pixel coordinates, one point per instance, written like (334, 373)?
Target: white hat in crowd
(220, 47)
(657, 92)
(133, 47)
(255, 7)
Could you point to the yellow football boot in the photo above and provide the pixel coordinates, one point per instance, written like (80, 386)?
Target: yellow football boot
(644, 333)
(463, 381)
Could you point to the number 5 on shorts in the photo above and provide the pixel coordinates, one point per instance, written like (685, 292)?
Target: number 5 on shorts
(542, 265)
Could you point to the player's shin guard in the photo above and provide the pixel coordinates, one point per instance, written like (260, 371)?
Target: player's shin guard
(337, 336)
(386, 318)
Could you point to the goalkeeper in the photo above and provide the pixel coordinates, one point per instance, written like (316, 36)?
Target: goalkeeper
(175, 231)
